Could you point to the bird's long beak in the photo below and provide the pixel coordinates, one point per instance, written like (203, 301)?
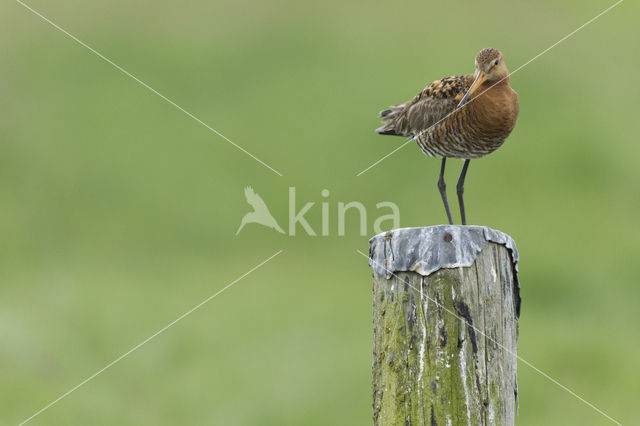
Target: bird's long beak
(480, 77)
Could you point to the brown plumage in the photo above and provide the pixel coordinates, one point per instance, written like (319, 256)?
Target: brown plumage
(465, 116)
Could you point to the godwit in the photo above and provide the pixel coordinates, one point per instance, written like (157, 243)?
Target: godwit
(465, 116)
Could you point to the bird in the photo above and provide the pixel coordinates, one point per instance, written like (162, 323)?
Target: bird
(464, 116)
(260, 213)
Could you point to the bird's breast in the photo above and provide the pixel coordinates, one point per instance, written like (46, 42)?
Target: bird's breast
(495, 112)
(476, 129)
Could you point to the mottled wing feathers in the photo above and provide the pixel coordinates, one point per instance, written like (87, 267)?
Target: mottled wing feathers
(447, 87)
(428, 107)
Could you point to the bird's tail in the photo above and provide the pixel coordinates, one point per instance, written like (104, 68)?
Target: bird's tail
(391, 118)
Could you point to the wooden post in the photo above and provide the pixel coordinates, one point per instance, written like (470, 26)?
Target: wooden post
(446, 303)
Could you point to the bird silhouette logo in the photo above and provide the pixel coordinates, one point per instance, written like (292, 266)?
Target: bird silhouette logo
(260, 213)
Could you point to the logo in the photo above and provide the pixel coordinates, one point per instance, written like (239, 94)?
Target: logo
(345, 212)
(260, 214)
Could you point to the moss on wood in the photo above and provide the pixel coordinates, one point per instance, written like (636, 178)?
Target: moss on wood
(435, 356)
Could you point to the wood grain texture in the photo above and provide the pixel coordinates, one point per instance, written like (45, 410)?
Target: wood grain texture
(444, 345)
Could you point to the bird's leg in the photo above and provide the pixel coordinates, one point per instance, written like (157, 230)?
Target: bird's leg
(460, 189)
(443, 190)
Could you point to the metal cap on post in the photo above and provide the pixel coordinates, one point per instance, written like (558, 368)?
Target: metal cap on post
(445, 326)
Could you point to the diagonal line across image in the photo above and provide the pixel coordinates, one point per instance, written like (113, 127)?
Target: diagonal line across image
(145, 85)
(136, 347)
(492, 86)
(477, 330)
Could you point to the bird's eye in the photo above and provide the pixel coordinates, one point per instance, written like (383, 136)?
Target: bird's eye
(496, 62)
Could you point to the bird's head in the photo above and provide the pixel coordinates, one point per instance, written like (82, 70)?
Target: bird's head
(490, 69)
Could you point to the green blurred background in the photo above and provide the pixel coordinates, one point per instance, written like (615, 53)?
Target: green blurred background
(118, 212)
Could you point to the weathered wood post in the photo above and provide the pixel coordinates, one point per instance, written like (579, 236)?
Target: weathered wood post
(446, 303)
